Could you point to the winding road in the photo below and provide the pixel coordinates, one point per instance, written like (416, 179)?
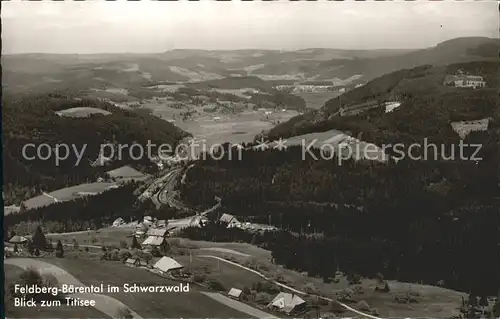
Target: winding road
(290, 288)
(105, 304)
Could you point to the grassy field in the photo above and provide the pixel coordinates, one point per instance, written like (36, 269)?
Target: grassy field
(234, 128)
(82, 112)
(149, 305)
(431, 301)
(102, 237)
(228, 275)
(317, 100)
(12, 274)
(66, 194)
(126, 172)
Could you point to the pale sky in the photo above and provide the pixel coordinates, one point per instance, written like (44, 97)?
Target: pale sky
(147, 26)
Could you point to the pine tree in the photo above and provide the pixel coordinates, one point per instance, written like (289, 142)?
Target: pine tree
(135, 243)
(496, 309)
(30, 247)
(472, 300)
(59, 249)
(483, 302)
(39, 240)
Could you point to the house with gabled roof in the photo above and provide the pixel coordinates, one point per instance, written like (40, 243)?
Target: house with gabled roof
(167, 264)
(287, 303)
(135, 262)
(235, 293)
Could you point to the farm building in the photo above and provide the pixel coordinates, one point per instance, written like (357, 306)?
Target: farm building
(135, 262)
(18, 240)
(463, 128)
(235, 293)
(155, 241)
(167, 264)
(227, 218)
(287, 303)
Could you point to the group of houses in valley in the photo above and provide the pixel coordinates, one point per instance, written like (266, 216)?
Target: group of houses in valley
(233, 222)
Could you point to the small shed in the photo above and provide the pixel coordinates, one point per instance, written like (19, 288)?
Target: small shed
(235, 293)
(136, 262)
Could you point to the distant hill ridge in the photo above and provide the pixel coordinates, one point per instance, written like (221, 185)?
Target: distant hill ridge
(427, 105)
(48, 71)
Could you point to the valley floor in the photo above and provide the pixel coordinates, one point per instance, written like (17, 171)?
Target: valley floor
(209, 258)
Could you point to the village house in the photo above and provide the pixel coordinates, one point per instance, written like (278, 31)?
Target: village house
(157, 232)
(155, 241)
(227, 218)
(287, 303)
(167, 265)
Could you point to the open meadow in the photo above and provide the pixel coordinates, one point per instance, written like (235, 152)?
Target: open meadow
(68, 193)
(190, 304)
(428, 301)
(12, 274)
(233, 128)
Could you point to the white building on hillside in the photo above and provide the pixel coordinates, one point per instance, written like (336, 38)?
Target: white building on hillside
(167, 264)
(287, 303)
(466, 81)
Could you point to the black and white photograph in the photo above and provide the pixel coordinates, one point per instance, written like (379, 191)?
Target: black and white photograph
(251, 159)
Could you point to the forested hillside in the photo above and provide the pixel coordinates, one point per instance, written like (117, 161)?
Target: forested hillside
(427, 105)
(433, 219)
(32, 119)
(402, 220)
